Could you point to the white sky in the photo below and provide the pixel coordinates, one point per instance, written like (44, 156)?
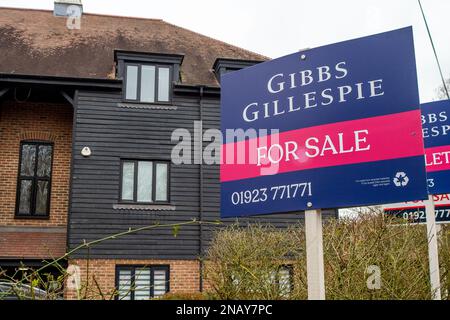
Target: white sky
(276, 28)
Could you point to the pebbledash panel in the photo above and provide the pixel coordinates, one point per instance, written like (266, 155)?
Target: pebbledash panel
(115, 131)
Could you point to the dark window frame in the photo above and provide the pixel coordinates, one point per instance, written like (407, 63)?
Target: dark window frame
(135, 182)
(35, 179)
(224, 65)
(139, 84)
(133, 268)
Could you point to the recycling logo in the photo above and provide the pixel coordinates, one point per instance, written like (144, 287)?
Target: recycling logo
(401, 179)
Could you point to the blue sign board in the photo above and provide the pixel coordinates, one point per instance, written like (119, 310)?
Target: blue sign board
(436, 134)
(335, 126)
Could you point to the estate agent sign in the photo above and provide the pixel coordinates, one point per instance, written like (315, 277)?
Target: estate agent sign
(414, 211)
(436, 134)
(336, 126)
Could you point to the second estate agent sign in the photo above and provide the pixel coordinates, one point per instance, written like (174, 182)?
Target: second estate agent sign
(436, 134)
(336, 126)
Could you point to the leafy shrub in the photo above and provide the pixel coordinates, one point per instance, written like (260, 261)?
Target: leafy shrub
(240, 260)
(184, 296)
(444, 260)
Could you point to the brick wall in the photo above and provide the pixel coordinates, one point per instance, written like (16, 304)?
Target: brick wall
(32, 244)
(34, 121)
(184, 276)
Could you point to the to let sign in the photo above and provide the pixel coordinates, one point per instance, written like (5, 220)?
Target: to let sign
(436, 134)
(336, 126)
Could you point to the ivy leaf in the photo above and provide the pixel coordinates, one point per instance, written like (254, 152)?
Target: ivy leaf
(175, 230)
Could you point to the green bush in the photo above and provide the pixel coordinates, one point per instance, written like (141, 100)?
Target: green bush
(185, 296)
(444, 260)
(242, 260)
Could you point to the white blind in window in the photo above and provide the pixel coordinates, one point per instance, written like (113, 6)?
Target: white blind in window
(159, 283)
(142, 282)
(124, 284)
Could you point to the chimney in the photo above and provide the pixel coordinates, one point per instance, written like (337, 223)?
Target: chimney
(68, 8)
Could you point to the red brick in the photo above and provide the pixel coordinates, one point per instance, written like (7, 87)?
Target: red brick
(34, 121)
(184, 275)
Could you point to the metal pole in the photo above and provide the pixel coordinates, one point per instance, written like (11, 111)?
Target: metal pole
(314, 255)
(433, 256)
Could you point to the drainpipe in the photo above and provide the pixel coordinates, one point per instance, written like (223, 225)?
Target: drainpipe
(201, 189)
(72, 178)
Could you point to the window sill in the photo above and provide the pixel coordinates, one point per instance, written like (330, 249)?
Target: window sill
(24, 217)
(148, 106)
(144, 207)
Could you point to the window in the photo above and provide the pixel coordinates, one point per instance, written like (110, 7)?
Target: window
(223, 66)
(147, 83)
(34, 181)
(280, 278)
(141, 282)
(148, 77)
(228, 70)
(144, 182)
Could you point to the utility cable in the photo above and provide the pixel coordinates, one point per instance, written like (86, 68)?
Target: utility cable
(434, 50)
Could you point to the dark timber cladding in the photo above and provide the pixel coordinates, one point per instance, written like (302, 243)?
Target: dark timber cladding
(114, 132)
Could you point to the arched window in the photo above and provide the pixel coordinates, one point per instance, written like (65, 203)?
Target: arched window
(34, 180)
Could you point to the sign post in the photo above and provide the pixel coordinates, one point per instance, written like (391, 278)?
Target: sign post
(433, 256)
(436, 134)
(331, 127)
(314, 255)
(436, 129)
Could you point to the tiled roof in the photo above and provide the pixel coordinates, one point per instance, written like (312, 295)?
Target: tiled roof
(34, 42)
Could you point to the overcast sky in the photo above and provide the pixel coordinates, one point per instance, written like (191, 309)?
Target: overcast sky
(276, 28)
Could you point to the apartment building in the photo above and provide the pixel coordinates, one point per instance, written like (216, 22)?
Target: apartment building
(87, 118)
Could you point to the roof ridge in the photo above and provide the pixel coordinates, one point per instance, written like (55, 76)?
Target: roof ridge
(24, 9)
(85, 13)
(116, 16)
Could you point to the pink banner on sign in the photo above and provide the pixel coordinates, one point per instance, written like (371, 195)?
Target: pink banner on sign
(438, 158)
(349, 142)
